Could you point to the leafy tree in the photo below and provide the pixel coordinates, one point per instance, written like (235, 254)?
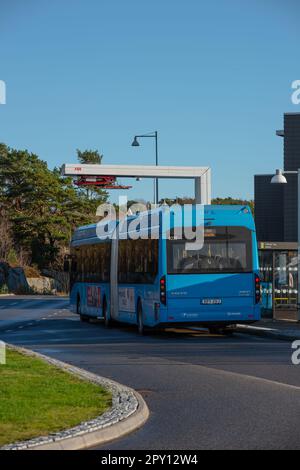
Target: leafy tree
(231, 201)
(42, 207)
(6, 239)
(218, 201)
(92, 157)
(89, 156)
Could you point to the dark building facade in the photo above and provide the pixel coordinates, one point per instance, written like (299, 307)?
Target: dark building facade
(276, 205)
(290, 212)
(269, 203)
(276, 218)
(291, 146)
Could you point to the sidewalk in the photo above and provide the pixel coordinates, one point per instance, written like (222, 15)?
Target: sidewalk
(275, 329)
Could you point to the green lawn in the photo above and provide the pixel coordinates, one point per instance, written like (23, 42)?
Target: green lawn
(37, 398)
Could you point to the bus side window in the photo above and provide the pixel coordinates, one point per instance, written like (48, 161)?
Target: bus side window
(137, 261)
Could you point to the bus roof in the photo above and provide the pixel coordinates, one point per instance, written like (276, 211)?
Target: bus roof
(231, 215)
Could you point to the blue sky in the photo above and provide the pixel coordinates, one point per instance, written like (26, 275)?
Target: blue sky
(214, 78)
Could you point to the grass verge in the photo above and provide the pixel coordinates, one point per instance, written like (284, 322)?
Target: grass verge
(37, 398)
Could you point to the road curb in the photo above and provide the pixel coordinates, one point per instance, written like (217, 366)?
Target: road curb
(267, 334)
(128, 413)
(114, 431)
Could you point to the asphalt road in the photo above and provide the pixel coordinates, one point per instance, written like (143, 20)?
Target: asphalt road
(203, 391)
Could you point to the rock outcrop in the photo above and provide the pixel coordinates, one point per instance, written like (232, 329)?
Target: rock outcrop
(14, 280)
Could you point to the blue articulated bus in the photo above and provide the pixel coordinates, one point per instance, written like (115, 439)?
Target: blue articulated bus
(162, 282)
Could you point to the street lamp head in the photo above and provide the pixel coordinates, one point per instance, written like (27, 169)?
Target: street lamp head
(279, 178)
(135, 142)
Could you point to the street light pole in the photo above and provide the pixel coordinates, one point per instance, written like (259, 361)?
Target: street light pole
(135, 143)
(279, 178)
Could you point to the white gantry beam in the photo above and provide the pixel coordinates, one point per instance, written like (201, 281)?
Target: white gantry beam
(133, 171)
(201, 175)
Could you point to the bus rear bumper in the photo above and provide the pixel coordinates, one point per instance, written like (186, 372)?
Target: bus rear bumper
(168, 317)
(204, 324)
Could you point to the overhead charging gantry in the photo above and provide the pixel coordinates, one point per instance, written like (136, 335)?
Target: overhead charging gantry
(105, 176)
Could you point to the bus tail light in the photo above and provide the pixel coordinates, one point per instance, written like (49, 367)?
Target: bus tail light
(162, 289)
(257, 288)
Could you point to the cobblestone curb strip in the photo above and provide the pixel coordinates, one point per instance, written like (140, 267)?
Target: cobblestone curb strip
(129, 412)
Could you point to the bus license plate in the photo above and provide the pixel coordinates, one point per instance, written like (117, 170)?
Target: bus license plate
(211, 301)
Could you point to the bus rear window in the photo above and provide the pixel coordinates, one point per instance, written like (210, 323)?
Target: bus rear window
(225, 250)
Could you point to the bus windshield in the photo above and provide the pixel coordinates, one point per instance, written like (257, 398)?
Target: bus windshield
(225, 250)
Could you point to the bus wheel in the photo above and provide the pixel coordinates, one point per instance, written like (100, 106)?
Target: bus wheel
(107, 321)
(141, 328)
